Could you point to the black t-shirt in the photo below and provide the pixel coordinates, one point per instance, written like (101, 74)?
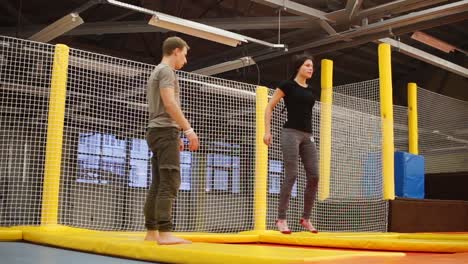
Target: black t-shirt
(299, 102)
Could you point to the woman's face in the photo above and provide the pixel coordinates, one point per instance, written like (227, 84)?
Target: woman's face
(307, 69)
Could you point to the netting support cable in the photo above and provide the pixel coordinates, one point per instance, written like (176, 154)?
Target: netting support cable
(56, 118)
(386, 112)
(325, 128)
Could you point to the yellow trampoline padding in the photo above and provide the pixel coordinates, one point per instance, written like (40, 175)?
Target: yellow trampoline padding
(9, 234)
(434, 236)
(244, 237)
(441, 243)
(131, 245)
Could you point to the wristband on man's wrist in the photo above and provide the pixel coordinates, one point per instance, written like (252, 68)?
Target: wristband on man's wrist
(188, 131)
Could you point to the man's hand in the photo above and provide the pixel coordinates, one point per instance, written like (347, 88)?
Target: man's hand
(193, 141)
(181, 145)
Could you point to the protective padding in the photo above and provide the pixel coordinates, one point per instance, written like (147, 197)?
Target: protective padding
(242, 247)
(131, 245)
(9, 234)
(421, 242)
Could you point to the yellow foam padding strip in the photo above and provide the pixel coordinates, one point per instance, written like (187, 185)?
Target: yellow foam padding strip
(9, 234)
(243, 237)
(441, 243)
(131, 245)
(436, 236)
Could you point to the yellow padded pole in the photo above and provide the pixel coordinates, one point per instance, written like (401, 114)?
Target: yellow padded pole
(413, 118)
(386, 113)
(325, 128)
(261, 161)
(56, 117)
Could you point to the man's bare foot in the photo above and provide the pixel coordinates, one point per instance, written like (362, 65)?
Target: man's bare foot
(152, 235)
(166, 238)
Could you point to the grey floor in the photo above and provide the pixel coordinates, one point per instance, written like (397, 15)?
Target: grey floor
(25, 253)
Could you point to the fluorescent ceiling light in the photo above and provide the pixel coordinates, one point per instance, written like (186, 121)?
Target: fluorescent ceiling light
(212, 88)
(433, 42)
(104, 67)
(196, 29)
(226, 66)
(193, 28)
(426, 57)
(58, 28)
(100, 66)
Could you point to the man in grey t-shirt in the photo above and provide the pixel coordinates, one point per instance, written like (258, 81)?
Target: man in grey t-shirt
(163, 76)
(165, 122)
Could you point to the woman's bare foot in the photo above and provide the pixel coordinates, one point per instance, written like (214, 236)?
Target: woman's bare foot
(166, 238)
(151, 235)
(308, 225)
(283, 226)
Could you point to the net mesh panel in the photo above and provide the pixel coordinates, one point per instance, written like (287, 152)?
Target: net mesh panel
(106, 168)
(25, 76)
(365, 97)
(105, 165)
(355, 202)
(443, 132)
(400, 128)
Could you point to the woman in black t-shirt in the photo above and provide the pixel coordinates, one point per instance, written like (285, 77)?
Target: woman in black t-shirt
(296, 139)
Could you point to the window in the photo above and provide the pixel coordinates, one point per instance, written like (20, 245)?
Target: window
(275, 173)
(101, 158)
(185, 170)
(139, 163)
(223, 168)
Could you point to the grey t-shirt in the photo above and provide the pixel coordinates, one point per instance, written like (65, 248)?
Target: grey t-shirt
(162, 77)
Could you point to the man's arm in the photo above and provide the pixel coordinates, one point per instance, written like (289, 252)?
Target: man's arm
(167, 93)
(173, 109)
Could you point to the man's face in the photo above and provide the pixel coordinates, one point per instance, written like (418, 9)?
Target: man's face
(180, 58)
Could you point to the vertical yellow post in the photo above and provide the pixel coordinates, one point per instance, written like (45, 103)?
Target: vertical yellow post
(386, 113)
(325, 128)
(53, 159)
(413, 118)
(261, 161)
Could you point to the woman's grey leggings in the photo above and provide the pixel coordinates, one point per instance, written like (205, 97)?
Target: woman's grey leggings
(295, 143)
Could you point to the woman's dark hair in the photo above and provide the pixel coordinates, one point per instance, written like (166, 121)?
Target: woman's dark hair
(297, 61)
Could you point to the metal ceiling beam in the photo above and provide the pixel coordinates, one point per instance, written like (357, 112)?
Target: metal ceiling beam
(193, 28)
(248, 50)
(255, 50)
(262, 54)
(125, 27)
(396, 7)
(368, 38)
(295, 8)
(327, 27)
(352, 7)
(426, 57)
(391, 24)
(302, 10)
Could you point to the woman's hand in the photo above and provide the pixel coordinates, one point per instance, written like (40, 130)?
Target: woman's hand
(267, 138)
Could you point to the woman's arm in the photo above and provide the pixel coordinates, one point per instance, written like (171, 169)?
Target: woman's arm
(277, 95)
